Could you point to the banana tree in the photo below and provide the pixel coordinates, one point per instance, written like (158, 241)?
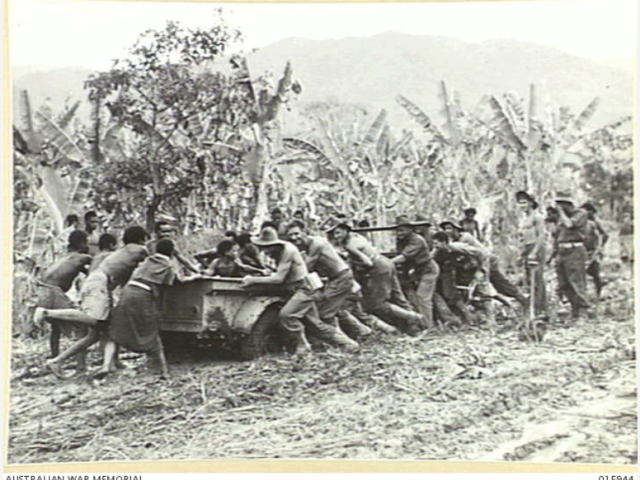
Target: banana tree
(50, 174)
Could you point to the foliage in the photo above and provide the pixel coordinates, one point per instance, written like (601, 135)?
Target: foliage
(177, 109)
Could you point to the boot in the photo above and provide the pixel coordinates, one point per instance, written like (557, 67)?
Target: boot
(303, 347)
(339, 339)
(352, 326)
(376, 324)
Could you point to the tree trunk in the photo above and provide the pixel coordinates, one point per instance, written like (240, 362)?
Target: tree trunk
(150, 214)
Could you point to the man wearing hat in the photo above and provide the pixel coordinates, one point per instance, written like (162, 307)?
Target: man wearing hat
(571, 253)
(300, 313)
(533, 253)
(423, 270)
(595, 241)
(469, 223)
(425, 231)
(498, 279)
(382, 294)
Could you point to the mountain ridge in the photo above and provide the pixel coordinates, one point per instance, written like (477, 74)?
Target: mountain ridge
(372, 71)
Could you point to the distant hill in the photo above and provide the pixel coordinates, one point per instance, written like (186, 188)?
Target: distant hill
(372, 71)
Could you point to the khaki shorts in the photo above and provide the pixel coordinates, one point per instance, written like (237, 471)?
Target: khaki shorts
(95, 297)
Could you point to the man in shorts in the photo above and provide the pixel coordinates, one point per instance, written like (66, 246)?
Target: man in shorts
(96, 296)
(57, 280)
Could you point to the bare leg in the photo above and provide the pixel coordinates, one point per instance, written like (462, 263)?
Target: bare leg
(82, 345)
(68, 314)
(108, 359)
(54, 340)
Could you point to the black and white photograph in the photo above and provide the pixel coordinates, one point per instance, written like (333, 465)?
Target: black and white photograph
(322, 231)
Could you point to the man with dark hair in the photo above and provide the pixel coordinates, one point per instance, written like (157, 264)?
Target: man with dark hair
(227, 263)
(321, 257)
(595, 241)
(572, 254)
(248, 253)
(107, 244)
(56, 281)
(136, 318)
(498, 279)
(533, 238)
(96, 300)
(462, 265)
(277, 217)
(382, 294)
(469, 223)
(300, 313)
(91, 225)
(71, 223)
(163, 230)
(423, 271)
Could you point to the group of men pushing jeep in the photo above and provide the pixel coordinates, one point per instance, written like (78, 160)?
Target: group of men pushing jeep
(341, 286)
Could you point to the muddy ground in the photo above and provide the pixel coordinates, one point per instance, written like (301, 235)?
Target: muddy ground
(475, 394)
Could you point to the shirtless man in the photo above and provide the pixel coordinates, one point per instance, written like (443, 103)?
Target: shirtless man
(533, 238)
(107, 244)
(300, 313)
(322, 258)
(382, 294)
(96, 300)
(57, 280)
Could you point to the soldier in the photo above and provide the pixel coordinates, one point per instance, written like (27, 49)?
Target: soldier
(463, 265)
(300, 313)
(500, 282)
(423, 270)
(533, 241)
(322, 258)
(572, 254)
(382, 294)
(594, 242)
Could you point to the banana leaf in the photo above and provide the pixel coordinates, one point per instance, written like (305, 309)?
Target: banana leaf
(66, 148)
(420, 117)
(376, 128)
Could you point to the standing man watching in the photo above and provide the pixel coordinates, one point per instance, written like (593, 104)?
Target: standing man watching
(91, 225)
(572, 254)
(533, 239)
(423, 270)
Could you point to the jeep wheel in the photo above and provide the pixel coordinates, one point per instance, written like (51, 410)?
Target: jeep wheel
(267, 336)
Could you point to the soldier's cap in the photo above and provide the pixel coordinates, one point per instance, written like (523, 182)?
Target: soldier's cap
(564, 197)
(334, 223)
(403, 221)
(589, 207)
(470, 211)
(422, 219)
(268, 236)
(522, 195)
(453, 224)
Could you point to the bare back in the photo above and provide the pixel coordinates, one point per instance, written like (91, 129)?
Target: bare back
(63, 272)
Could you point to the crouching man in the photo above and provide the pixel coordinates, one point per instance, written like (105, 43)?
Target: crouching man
(300, 314)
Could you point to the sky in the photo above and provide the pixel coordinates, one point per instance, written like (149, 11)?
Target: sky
(92, 33)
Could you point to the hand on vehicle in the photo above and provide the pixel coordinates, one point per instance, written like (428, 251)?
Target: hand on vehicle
(247, 281)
